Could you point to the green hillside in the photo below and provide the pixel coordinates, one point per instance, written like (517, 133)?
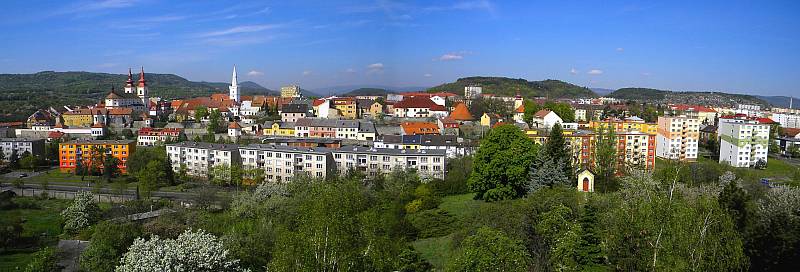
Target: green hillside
(509, 86)
(22, 94)
(702, 98)
(368, 91)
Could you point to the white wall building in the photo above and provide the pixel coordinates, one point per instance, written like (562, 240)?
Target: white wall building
(742, 142)
(280, 163)
(786, 120)
(21, 145)
(472, 92)
(373, 161)
(199, 158)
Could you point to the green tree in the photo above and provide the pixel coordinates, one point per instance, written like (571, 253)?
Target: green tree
(501, 165)
(200, 113)
(490, 250)
(214, 122)
(152, 176)
(556, 149)
(108, 243)
(605, 157)
(530, 109)
(110, 167)
(13, 159)
(589, 252)
(127, 133)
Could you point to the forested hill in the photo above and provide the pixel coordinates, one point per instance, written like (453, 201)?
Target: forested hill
(368, 91)
(509, 86)
(22, 94)
(702, 98)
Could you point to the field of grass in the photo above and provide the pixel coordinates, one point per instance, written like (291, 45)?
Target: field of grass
(42, 223)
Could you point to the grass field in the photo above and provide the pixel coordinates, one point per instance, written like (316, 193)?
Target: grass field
(42, 222)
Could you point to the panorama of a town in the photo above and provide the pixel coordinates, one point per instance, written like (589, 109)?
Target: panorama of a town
(409, 136)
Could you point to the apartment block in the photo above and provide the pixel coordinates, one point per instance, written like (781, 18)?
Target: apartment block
(742, 142)
(373, 161)
(73, 153)
(151, 136)
(636, 150)
(632, 123)
(21, 145)
(342, 129)
(280, 163)
(677, 137)
(580, 142)
(290, 91)
(198, 158)
(449, 143)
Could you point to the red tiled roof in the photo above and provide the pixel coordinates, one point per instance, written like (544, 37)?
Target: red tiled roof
(520, 109)
(498, 124)
(683, 107)
(418, 102)
(413, 128)
(764, 120)
(234, 125)
(55, 134)
(120, 111)
(318, 102)
(541, 113)
(461, 113)
(790, 132)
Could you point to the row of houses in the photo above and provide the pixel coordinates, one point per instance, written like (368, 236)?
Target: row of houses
(282, 162)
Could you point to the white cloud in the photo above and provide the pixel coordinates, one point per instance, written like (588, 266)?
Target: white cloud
(350, 70)
(647, 74)
(573, 71)
(307, 73)
(451, 56)
(427, 75)
(240, 29)
(464, 5)
(595, 72)
(375, 68)
(620, 49)
(254, 73)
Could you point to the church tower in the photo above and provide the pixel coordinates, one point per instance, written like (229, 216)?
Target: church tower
(141, 90)
(129, 83)
(233, 90)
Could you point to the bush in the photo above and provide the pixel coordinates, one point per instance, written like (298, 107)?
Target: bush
(433, 223)
(43, 260)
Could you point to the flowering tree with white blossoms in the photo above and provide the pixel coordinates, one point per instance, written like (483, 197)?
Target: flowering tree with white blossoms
(82, 213)
(191, 251)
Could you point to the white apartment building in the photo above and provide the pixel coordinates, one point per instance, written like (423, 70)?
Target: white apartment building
(677, 137)
(452, 145)
(280, 163)
(373, 161)
(199, 158)
(472, 92)
(21, 145)
(152, 136)
(290, 91)
(742, 142)
(786, 120)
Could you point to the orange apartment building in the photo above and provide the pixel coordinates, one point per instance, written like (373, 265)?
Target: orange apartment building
(82, 150)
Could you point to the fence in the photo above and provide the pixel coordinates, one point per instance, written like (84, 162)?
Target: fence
(99, 197)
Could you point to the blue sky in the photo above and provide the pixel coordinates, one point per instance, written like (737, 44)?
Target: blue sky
(733, 46)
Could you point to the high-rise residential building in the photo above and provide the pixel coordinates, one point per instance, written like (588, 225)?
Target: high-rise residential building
(472, 92)
(84, 152)
(151, 136)
(636, 150)
(199, 158)
(787, 120)
(34, 147)
(742, 142)
(290, 91)
(632, 123)
(678, 137)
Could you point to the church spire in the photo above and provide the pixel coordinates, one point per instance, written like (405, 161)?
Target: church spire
(234, 81)
(233, 90)
(142, 82)
(129, 83)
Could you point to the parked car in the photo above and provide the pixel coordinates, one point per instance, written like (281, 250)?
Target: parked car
(23, 175)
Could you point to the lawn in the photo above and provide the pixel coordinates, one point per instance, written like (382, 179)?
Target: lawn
(42, 222)
(436, 250)
(57, 176)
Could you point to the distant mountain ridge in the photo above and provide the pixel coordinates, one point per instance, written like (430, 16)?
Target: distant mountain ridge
(702, 98)
(340, 90)
(781, 101)
(510, 86)
(368, 91)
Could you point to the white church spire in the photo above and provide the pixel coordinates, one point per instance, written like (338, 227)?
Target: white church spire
(233, 90)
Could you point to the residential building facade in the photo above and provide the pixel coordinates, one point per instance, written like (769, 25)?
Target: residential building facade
(678, 137)
(742, 142)
(34, 147)
(374, 161)
(197, 159)
(280, 163)
(83, 152)
(152, 136)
